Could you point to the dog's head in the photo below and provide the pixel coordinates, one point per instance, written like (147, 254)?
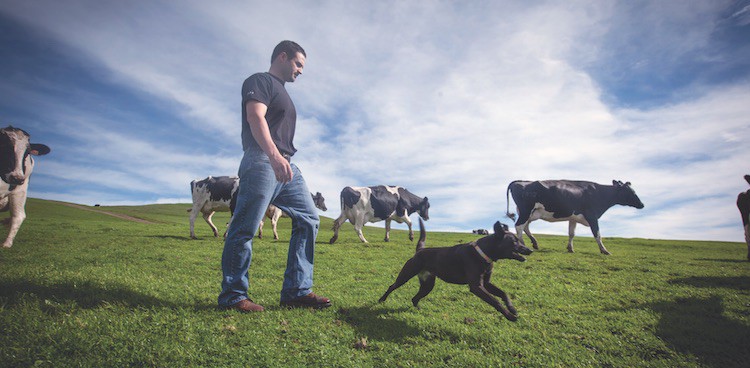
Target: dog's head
(503, 244)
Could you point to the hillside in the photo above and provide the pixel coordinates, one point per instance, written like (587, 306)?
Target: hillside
(83, 288)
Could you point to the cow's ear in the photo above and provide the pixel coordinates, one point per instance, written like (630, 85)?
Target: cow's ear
(627, 184)
(38, 149)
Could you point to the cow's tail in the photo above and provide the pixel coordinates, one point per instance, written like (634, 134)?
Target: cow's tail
(192, 190)
(509, 214)
(422, 236)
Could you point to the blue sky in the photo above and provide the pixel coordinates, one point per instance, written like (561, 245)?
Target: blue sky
(450, 99)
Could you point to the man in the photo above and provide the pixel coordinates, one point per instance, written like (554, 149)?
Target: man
(268, 176)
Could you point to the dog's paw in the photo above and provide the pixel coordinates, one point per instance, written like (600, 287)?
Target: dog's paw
(511, 317)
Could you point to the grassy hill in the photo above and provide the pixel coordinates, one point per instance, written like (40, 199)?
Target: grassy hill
(82, 288)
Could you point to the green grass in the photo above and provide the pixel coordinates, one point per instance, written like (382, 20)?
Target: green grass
(80, 288)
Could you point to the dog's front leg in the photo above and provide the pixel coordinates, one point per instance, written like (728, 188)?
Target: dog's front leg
(477, 289)
(494, 290)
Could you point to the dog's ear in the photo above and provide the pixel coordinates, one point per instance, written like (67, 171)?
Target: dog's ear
(500, 228)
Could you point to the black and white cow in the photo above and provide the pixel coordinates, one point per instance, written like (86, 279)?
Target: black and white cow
(743, 204)
(16, 165)
(274, 213)
(210, 195)
(580, 202)
(360, 205)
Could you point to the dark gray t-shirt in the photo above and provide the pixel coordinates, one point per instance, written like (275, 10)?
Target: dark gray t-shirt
(281, 114)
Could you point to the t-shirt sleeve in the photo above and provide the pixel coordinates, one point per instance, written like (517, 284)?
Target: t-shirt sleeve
(257, 88)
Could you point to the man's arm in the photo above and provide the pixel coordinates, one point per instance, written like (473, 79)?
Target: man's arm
(256, 117)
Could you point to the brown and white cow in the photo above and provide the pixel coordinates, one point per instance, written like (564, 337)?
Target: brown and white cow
(274, 213)
(743, 204)
(219, 194)
(360, 205)
(16, 165)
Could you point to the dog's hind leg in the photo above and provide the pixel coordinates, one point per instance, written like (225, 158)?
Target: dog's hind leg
(411, 268)
(426, 283)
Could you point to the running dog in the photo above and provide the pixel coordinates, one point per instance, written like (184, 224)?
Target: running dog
(469, 263)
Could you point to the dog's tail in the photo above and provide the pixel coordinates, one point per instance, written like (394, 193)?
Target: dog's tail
(422, 236)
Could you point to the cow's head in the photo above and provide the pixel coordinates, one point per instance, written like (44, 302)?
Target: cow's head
(320, 202)
(424, 209)
(14, 151)
(625, 195)
(505, 244)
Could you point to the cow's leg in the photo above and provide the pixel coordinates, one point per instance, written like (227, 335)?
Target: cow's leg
(17, 215)
(207, 216)
(260, 230)
(408, 223)
(595, 230)
(358, 228)
(747, 240)
(274, 222)
(387, 229)
(193, 214)
(571, 234)
(336, 226)
(530, 235)
(522, 226)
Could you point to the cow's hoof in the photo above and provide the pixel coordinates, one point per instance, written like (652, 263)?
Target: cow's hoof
(333, 240)
(386, 240)
(511, 317)
(536, 247)
(606, 253)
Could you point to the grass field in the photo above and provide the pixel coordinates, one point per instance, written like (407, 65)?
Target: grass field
(81, 288)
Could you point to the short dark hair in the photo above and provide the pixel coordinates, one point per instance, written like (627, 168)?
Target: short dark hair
(291, 49)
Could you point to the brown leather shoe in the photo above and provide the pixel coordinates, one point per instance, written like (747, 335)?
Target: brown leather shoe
(246, 305)
(308, 301)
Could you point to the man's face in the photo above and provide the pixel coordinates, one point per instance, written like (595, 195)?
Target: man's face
(294, 67)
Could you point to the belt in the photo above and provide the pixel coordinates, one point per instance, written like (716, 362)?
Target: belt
(287, 157)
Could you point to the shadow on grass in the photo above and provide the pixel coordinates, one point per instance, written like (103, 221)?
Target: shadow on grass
(697, 327)
(84, 295)
(386, 324)
(738, 282)
(377, 323)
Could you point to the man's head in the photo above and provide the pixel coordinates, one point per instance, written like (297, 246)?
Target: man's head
(287, 60)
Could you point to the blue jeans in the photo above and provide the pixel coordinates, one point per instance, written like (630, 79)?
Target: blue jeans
(258, 188)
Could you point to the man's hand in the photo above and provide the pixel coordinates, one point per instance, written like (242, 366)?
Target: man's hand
(281, 168)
